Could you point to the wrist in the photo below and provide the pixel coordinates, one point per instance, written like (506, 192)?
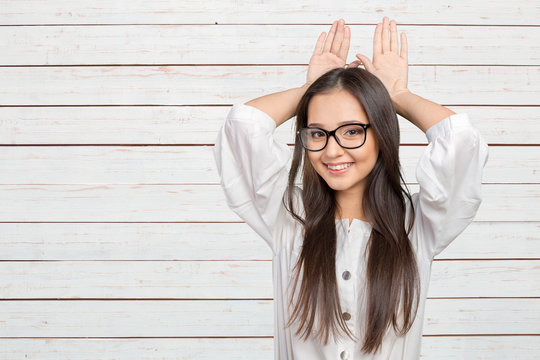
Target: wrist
(302, 89)
(306, 85)
(402, 100)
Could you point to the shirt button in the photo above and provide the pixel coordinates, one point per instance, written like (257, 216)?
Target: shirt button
(346, 275)
(344, 355)
(346, 316)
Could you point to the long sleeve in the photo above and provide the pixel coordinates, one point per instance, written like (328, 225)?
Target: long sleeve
(449, 174)
(253, 168)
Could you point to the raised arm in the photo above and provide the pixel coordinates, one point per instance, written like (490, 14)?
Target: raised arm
(449, 172)
(391, 67)
(330, 53)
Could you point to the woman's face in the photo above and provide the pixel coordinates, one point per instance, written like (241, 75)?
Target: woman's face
(344, 170)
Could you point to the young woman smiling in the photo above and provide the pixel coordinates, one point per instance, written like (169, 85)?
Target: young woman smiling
(352, 249)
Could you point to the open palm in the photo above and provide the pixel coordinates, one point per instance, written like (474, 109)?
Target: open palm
(388, 65)
(330, 52)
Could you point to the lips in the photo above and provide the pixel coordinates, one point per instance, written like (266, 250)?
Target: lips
(338, 168)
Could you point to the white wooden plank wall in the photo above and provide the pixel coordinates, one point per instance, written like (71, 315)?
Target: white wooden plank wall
(115, 240)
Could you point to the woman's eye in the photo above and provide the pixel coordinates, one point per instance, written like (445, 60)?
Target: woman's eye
(351, 132)
(317, 134)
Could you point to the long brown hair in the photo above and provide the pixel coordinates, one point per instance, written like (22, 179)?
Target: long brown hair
(392, 277)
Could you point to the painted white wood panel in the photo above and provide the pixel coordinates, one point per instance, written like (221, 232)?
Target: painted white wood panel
(253, 44)
(234, 279)
(480, 347)
(235, 318)
(174, 209)
(139, 349)
(524, 12)
(221, 241)
(203, 85)
(199, 203)
(433, 347)
(196, 165)
(199, 125)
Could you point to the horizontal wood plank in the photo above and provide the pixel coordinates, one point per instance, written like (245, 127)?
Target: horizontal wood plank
(278, 12)
(436, 347)
(235, 318)
(220, 241)
(234, 279)
(200, 124)
(480, 347)
(198, 203)
(190, 44)
(223, 85)
(140, 349)
(196, 165)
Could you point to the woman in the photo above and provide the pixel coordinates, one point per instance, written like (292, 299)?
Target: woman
(352, 250)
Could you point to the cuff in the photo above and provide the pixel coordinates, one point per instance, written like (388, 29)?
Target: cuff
(252, 115)
(447, 125)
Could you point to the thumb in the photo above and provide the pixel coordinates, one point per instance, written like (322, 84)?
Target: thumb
(367, 63)
(354, 64)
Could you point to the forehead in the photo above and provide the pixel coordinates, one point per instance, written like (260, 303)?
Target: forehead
(333, 109)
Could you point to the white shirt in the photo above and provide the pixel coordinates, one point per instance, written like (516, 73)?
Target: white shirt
(254, 172)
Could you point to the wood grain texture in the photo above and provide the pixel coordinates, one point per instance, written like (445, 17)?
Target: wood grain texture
(220, 241)
(277, 12)
(235, 318)
(117, 229)
(433, 347)
(198, 203)
(196, 165)
(172, 125)
(254, 44)
(234, 279)
(224, 85)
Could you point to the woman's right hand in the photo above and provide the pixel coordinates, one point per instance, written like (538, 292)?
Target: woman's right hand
(334, 52)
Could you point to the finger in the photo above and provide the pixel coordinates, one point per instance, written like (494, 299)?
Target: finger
(345, 44)
(403, 53)
(330, 38)
(319, 44)
(377, 39)
(385, 36)
(354, 64)
(366, 62)
(393, 37)
(338, 38)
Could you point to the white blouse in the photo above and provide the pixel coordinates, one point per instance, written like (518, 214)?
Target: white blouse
(254, 173)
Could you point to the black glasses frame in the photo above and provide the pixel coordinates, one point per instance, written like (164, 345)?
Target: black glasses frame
(333, 133)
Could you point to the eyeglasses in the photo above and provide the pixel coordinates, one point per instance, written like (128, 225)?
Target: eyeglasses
(348, 136)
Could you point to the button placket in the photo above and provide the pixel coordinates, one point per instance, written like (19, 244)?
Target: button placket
(347, 284)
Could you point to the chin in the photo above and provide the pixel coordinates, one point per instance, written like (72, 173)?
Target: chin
(337, 185)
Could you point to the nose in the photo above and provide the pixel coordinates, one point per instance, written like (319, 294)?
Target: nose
(333, 149)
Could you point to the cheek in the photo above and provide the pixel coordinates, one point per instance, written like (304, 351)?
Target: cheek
(312, 157)
(366, 157)
(372, 149)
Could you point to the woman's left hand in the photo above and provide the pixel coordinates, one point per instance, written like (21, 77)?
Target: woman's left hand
(388, 65)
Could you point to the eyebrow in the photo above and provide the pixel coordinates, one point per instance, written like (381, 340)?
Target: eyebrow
(339, 123)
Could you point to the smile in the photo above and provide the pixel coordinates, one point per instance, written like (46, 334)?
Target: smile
(338, 168)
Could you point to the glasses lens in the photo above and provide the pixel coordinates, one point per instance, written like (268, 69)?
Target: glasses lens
(313, 139)
(351, 135)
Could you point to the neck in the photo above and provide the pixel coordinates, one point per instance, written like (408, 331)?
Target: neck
(350, 204)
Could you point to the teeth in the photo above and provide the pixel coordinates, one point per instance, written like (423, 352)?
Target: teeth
(339, 167)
